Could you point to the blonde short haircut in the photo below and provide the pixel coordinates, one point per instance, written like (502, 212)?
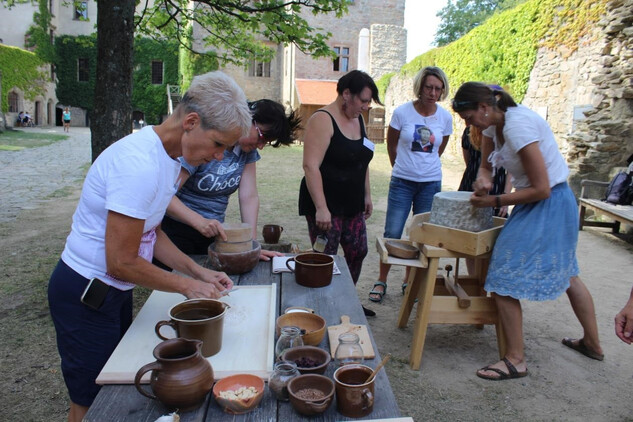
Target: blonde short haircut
(219, 102)
(420, 78)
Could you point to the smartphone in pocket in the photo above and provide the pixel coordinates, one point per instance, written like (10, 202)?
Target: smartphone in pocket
(95, 293)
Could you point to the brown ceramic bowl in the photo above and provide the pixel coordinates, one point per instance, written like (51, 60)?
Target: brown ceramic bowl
(313, 324)
(234, 262)
(311, 394)
(401, 249)
(233, 383)
(298, 354)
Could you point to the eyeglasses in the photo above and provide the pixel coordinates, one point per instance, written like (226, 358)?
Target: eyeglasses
(430, 88)
(261, 137)
(464, 105)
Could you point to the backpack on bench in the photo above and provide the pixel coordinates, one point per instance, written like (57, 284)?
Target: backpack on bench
(620, 190)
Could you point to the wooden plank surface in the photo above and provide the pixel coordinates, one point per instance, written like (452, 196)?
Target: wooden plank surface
(346, 326)
(124, 403)
(247, 341)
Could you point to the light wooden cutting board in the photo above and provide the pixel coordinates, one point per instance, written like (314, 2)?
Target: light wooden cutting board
(247, 340)
(346, 326)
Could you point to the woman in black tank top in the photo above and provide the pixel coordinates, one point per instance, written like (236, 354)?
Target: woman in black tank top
(334, 196)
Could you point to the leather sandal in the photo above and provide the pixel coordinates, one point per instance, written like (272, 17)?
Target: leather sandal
(377, 292)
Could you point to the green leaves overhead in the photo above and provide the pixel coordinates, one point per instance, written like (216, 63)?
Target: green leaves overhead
(237, 30)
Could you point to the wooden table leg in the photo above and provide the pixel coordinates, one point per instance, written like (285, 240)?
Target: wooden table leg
(411, 292)
(425, 297)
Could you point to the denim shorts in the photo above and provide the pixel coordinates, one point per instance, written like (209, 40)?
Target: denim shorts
(403, 194)
(85, 338)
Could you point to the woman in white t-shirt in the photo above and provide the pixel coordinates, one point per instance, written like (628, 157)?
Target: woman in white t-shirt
(534, 257)
(416, 138)
(116, 230)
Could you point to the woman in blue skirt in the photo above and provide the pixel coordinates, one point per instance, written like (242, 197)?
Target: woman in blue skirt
(535, 255)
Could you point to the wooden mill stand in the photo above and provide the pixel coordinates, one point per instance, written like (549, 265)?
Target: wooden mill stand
(450, 298)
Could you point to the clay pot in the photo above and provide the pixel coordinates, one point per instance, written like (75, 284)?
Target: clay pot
(234, 262)
(311, 394)
(354, 395)
(271, 233)
(312, 269)
(181, 377)
(316, 354)
(199, 319)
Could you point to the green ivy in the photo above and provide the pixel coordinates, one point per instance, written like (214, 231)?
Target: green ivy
(191, 64)
(69, 49)
(503, 49)
(21, 69)
(149, 98)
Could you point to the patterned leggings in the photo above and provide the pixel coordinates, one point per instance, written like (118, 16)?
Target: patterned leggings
(351, 233)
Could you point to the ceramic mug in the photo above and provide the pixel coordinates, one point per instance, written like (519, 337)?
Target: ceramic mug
(271, 233)
(200, 319)
(354, 396)
(312, 269)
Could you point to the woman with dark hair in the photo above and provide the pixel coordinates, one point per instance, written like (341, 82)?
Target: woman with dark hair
(534, 257)
(334, 196)
(417, 136)
(195, 215)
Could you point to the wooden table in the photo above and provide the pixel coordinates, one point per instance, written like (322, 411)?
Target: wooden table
(124, 403)
(442, 299)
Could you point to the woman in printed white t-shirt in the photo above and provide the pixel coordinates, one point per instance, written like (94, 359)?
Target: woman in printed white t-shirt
(417, 136)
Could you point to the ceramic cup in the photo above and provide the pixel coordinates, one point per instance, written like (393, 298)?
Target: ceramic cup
(200, 319)
(312, 269)
(271, 233)
(354, 396)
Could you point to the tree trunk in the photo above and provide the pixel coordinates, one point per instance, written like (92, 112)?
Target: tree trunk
(111, 119)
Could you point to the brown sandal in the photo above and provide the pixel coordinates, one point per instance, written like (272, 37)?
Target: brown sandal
(512, 372)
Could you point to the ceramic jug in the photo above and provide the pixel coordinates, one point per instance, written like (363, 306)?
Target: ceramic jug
(181, 377)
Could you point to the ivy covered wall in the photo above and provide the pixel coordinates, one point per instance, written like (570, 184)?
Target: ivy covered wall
(503, 49)
(149, 98)
(23, 70)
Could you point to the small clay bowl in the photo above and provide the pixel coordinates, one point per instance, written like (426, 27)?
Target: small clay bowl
(400, 249)
(321, 357)
(313, 324)
(234, 383)
(311, 394)
(234, 262)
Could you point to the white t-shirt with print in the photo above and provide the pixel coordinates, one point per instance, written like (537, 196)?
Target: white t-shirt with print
(134, 177)
(417, 157)
(523, 127)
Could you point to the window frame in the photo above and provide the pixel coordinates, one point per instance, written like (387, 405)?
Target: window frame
(80, 11)
(337, 63)
(259, 69)
(162, 72)
(83, 70)
(14, 101)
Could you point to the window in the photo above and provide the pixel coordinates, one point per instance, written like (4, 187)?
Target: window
(83, 70)
(259, 69)
(50, 7)
(81, 11)
(341, 63)
(13, 102)
(157, 72)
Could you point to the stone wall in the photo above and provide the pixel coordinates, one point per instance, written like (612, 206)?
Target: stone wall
(603, 140)
(388, 49)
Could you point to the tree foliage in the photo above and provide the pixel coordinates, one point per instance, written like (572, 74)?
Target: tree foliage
(234, 30)
(460, 16)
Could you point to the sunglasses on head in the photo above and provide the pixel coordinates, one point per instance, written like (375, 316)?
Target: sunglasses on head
(464, 105)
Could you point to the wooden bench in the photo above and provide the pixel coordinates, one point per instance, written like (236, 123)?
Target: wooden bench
(620, 214)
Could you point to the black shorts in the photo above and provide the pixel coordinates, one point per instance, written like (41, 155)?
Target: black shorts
(66, 121)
